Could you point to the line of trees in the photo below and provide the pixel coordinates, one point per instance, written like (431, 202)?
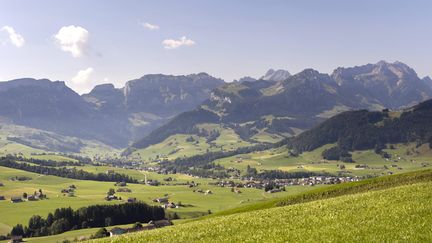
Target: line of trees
(44, 162)
(279, 174)
(66, 219)
(72, 173)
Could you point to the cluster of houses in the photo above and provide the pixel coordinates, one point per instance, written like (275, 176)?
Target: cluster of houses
(151, 225)
(205, 192)
(32, 197)
(309, 181)
(165, 203)
(70, 191)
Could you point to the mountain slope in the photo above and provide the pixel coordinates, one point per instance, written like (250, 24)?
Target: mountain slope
(358, 130)
(285, 108)
(113, 116)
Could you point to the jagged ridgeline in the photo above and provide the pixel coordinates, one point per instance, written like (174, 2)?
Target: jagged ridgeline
(114, 116)
(290, 104)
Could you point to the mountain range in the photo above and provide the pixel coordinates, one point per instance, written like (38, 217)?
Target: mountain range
(107, 114)
(287, 107)
(150, 109)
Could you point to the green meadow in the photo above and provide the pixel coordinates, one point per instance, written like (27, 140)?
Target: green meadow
(93, 192)
(389, 215)
(404, 158)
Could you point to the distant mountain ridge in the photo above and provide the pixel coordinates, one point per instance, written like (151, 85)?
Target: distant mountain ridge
(297, 103)
(113, 116)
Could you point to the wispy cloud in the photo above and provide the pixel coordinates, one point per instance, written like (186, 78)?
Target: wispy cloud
(72, 39)
(14, 38)
(174, 44)
(149, 26)
(82, 76)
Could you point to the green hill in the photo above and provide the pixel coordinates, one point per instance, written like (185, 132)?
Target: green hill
(361, 130)
(386, 215)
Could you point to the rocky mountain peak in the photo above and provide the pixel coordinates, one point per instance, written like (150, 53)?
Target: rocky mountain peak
(276, 75)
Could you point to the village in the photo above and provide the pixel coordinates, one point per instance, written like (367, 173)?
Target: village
(276, 185)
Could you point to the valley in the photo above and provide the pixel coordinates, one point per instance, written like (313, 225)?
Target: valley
(237, 149)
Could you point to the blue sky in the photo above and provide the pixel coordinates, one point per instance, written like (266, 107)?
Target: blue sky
(108, 42)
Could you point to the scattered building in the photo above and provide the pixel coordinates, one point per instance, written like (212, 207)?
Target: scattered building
(161, 200)
(16, 238)
(132, 200)
(16, 199)
(160, 223)
(117, 231)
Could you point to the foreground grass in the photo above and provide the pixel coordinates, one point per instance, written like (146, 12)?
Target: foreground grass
(378, 183)
(397, 214)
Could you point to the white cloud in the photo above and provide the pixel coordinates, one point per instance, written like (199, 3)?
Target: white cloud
(173, 44)
(15, 38)
(149, 26)
(82, 76)
(72, 39)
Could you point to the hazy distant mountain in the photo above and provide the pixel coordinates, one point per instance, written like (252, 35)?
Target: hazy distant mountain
(294, 104)
(113, 116)
(246, 79)
(148, 102)
(391, 85)
(276, 75)
(428, 81)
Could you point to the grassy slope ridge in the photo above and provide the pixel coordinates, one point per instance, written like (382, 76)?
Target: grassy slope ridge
(378, 183)
(386, 215)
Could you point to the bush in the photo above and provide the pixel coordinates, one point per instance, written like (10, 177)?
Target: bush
(101, 233)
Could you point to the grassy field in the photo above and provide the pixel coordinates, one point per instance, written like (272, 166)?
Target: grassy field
(177, 145)
(405, 157)
(92, 192)
(379, 216)
(40, 141)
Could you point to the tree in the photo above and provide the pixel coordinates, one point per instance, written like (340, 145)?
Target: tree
(111, 192)
(17, 230)
(49, 219)
(378, 148)
(108, 221)
(137, 226)
(59, 226)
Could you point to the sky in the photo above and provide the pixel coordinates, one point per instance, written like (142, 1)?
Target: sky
(86, 43)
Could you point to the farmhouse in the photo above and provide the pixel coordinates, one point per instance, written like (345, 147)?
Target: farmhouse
(160, 223)
(16, 238)
(124, 190)
(169, 205)
(117, 231)
(161, 200)
(111, 197)
(274, 190)
(131, 200)
(16, 199)
(120, 184)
